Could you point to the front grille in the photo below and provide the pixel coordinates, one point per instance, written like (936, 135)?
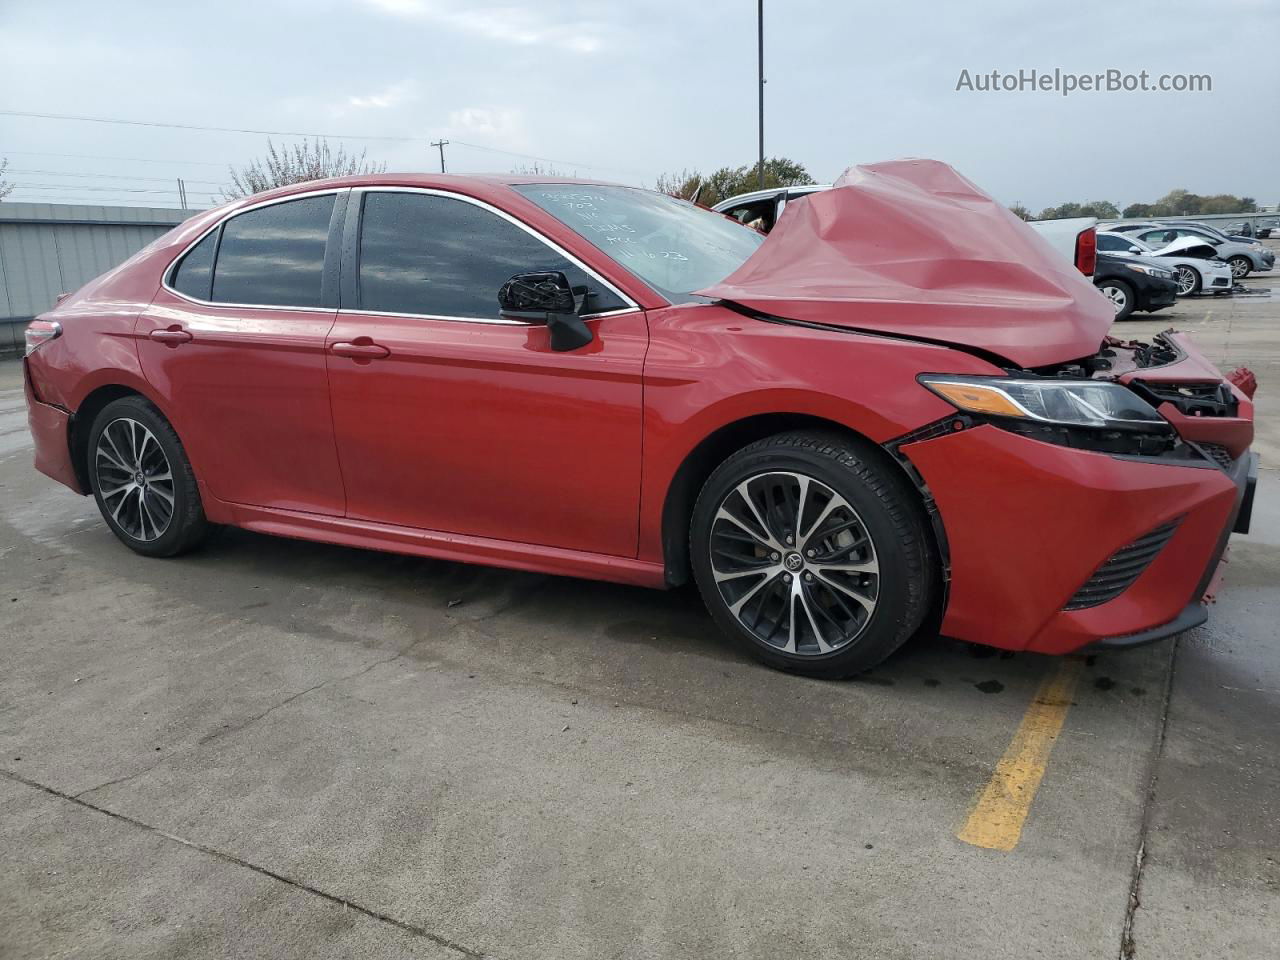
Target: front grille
(1125, 566)
(1218, 454)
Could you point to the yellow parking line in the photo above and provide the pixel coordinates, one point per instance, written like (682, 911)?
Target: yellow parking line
(995, 822)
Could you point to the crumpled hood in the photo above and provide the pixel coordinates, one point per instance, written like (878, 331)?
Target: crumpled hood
(910, 247)
(1186, 245)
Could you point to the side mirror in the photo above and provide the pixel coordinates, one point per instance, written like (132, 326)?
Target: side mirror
(546, 297)
(1135, 249)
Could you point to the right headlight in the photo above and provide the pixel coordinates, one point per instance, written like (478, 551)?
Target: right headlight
(1071, 403)
(1151, 271)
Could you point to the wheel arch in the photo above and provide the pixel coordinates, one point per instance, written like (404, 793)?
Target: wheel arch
(721, 443)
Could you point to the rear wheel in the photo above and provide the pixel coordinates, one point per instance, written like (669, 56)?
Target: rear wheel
(142, 480)
(1121, 296)
(812, 554)
(1188, 278)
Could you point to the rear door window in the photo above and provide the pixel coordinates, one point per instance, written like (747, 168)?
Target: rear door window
(443, 257)
(274, 256)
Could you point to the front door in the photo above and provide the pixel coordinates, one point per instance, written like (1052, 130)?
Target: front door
(234, 345)
(449, 417)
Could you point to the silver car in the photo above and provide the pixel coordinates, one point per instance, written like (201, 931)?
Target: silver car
(1242, 257)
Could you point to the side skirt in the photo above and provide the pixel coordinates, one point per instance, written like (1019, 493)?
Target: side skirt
(388, 537)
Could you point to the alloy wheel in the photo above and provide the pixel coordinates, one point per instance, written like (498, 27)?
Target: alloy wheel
(135, 480)
(1186, 280)
(1119, 299)
(794, 563)
(1239, 268)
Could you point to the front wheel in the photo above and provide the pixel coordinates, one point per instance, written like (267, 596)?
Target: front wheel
(1188, 280)
(1121, 296)
(143, 481)
(813, 554)
(1240, 266)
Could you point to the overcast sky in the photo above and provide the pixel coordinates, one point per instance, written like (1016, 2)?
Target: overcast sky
(626, 91)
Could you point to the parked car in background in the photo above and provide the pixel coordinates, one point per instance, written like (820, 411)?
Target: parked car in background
(1133, 285)
(762, 208)
(1193, 261)
(844, 433)
(1243, 256)
(1073, 238)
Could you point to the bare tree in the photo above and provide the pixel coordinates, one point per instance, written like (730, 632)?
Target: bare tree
(6, 187)
(537, 169)
(297, 163)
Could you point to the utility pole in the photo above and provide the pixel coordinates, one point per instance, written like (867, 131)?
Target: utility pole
(182, 194)
(760, 38)
(440, 144)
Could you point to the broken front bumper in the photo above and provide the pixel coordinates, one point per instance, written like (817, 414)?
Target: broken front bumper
(1034, 530)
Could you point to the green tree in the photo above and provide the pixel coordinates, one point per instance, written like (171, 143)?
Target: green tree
(727, 182)
(1184, 203)
(1102, 209)
(296, 163)
(1019, 211)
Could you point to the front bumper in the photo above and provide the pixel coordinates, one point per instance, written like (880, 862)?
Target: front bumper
(50, 429)
(1028, 523)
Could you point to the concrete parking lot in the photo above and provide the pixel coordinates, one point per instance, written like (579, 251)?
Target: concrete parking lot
(278, 749)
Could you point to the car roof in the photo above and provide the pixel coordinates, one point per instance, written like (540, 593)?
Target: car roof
(483, 186)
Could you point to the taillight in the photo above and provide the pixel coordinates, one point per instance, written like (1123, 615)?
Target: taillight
(1087, 251)
(40, 332)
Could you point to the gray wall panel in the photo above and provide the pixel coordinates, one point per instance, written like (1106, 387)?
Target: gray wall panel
(50, 248)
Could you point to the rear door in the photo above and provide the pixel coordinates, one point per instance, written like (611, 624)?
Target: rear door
(451, 418)
(234, 344)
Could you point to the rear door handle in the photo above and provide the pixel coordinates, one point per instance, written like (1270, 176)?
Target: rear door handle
(172, 336)
(361, 348)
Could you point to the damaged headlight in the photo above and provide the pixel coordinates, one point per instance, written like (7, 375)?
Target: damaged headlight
(1074, 403)
(1084, 414)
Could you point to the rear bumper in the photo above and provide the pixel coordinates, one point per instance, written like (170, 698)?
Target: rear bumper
(50, 430)
(1028, 523)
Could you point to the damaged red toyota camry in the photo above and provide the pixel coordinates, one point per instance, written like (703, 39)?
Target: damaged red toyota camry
(898, 414)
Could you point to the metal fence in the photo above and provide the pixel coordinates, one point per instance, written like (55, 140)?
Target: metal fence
(52, 248)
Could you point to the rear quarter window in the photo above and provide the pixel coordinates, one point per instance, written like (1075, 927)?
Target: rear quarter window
(193, 276)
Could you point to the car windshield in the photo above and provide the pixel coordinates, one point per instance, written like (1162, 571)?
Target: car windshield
(671, 244)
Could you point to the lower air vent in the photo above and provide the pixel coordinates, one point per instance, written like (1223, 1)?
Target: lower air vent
(1125, 566)
(1218, 454)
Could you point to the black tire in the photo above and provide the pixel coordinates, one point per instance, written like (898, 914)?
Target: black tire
(170, 532)
(883, 506)
(1185, 270)
(1121, 296)
(1240, 266)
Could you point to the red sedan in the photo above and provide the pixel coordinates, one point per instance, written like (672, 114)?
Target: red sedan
(899, 413)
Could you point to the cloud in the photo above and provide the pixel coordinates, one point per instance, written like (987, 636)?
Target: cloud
(392, 96)
(505, 24)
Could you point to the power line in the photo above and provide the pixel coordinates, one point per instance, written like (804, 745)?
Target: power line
(112, 176)
(299, 133)
(87, 189)
(98, 156)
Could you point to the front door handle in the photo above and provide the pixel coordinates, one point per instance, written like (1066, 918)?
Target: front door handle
(171, 336)
(361, 348)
